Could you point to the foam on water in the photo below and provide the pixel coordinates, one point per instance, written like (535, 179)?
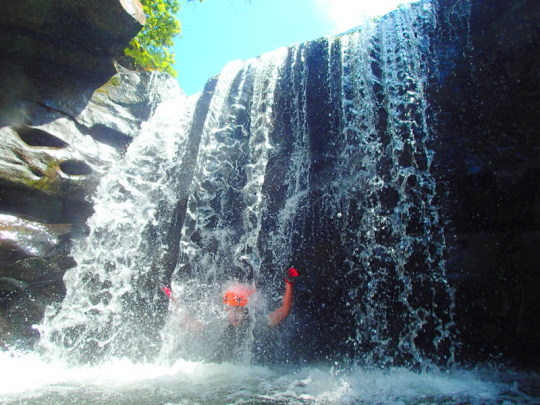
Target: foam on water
(28, 379)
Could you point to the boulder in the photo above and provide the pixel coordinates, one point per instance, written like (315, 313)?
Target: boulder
(53, 49)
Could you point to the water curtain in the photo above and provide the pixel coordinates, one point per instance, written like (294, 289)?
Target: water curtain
(316, 156)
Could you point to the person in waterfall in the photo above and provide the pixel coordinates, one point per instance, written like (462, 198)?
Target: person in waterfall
(237, 296)
(236, 300)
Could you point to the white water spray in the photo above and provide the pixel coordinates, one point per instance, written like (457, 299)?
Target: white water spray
(107, 303)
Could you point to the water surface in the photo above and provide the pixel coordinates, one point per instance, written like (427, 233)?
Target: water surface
(27, 379)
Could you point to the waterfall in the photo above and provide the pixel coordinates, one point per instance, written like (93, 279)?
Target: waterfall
(224, 211)
(110, 298)
(390, 193)
(315, 156)
(344, 151)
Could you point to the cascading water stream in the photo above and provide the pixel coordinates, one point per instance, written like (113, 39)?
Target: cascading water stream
(379, 188)
(386, 160)
(110, 299)
(223, 222)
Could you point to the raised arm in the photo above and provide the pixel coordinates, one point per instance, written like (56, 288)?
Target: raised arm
(286, 303)
(186, 319)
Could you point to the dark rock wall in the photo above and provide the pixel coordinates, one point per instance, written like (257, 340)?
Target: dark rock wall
(483, 95)
(60, 49)
(486, 97)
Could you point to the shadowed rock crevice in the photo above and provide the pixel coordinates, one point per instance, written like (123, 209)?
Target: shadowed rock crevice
(99, 132)
(38, 206)
(109, 136)
(75, 168)
(37, 137)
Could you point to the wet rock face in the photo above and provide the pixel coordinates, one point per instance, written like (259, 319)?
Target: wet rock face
(53, 49)
(32, 263)
(49, 170)
(488, 162)
(59, 155)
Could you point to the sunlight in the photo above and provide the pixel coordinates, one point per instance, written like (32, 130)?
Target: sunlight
(347, 14)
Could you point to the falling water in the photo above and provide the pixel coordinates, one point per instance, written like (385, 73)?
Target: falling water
(290, 146)
(378, 187)
(398, 237)
(108, 300)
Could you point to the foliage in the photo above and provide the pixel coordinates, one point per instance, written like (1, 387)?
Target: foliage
(150, 49)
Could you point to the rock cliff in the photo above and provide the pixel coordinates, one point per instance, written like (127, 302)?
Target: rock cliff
(486, 97)
(66, 113)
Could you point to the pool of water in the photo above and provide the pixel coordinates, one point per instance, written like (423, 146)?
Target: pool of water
(27, 379)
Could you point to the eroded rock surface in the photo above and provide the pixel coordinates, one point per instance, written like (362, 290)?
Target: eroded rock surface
(57, 49)
(67, 112)
(49, 171)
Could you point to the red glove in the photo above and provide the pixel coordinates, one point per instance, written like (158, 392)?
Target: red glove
(168, 292)
(291, 275)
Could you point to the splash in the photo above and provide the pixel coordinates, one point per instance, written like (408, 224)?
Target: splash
(30, 380)
(108, 302)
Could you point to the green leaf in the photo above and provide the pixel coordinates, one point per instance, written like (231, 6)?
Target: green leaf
(150, 49)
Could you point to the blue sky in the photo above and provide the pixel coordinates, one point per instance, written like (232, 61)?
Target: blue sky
(215, 32)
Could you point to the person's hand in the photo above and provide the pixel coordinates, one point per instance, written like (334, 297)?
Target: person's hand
(167, 291)
(291, 275)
